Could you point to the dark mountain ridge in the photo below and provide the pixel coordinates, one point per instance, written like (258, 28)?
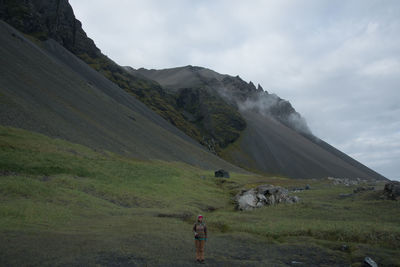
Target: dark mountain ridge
(276, 139)
(232, 118)
(233, 90)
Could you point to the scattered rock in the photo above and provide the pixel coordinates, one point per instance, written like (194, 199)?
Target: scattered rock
(392, 190)
(295, 199)
(297, 189)
(370, 262)
(363, 188)
(263, 195)
(222, 173)
(344, 247)
(346, 181)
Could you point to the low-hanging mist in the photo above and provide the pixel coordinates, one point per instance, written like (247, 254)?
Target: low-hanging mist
(278, 108)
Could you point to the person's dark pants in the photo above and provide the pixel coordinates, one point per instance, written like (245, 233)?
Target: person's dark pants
(199, 249)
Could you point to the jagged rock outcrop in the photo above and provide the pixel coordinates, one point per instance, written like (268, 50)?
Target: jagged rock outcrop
(263, 195)
(49, 19)
(260, 89)
(214, 118)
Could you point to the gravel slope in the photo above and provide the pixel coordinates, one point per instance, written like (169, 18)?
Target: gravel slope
(48, 90)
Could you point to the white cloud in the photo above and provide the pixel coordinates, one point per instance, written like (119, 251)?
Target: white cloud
(382, 67)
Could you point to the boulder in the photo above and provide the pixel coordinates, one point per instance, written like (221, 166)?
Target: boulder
(248, 200)
(222, 173)
(294, 199)
(370, 262)
(263, 195)
(392, 190)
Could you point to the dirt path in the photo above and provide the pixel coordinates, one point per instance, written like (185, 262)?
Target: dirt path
(56, 249)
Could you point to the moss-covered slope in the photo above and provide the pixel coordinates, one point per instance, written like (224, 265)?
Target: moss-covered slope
(64, 204)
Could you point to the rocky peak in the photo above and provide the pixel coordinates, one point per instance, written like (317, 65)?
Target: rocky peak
(237, 88)
(260, 89)
(252, 87)
(45, 19)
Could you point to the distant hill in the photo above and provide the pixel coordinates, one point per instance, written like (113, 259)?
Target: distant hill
(55, 80)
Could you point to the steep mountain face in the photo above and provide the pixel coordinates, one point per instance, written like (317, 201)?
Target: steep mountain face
(54, 19)
(46, 19)
(232, 92)
(276, 139)
(218, 120)
(49, 90)
(215, 125)
(232, 118)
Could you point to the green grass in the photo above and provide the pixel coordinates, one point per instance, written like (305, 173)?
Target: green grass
(65, 204)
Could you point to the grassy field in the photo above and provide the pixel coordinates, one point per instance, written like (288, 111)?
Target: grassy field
(63, 204)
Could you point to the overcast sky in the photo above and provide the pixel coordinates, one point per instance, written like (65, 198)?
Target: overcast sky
(337, 62)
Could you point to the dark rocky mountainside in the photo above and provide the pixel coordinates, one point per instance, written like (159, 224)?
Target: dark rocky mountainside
(231, 91)
(234, 119)
(215, 126)
(49, 90)
(276, 139)
(46, 19)
(54, 19)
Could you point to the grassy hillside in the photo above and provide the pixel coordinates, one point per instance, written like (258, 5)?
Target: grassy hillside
(65, 204)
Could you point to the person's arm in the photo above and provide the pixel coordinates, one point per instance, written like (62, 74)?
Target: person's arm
(194, 230)
(205, 231)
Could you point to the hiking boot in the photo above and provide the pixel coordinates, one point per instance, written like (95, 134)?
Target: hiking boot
(202, 262)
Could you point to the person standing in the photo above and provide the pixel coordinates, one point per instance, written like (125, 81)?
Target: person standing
(200, 237)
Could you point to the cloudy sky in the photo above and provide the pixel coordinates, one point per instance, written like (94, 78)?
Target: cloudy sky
(337, 62)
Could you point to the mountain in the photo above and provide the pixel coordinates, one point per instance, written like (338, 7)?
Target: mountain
(276, 139)
(54, 19)
(49, 90)
(56, 81)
